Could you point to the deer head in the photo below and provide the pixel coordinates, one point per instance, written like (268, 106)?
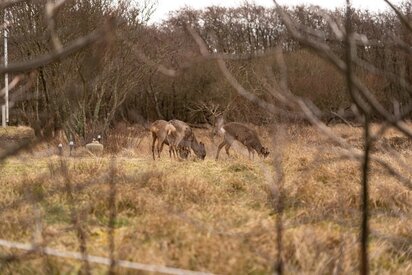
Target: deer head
(264, 151)
(199, 149)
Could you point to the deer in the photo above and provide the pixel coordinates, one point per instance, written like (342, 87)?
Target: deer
(237, 131)
(179, 136)
(349, 115)
(186, 140)
(164, 132)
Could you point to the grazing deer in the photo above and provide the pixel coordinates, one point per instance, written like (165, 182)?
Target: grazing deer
(164, 132)
(349, 115)
(186, 140)
(179, 136)
(236, 131)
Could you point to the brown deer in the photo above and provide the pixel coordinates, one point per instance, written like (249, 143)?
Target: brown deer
(186, 140)
(236, 131)
(349, 115)
(164, 132)
(179, 136)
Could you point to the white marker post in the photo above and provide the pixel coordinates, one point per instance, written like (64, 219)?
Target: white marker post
(6, 75)
(71, 145)
(5, 107)
(3, 115)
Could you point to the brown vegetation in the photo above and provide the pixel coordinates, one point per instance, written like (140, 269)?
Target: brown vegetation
(11, 136)
(114, 81)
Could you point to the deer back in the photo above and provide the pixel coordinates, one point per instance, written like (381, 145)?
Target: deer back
(162, 128)
(188, 138)
(244, 135)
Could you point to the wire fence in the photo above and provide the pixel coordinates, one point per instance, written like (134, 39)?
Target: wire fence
(286, 104)
(31, 248)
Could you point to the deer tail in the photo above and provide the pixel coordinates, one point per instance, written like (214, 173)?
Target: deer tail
(170, 129)
(219, 124)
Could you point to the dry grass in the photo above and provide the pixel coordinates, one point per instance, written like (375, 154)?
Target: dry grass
(214, 216)
(10, 136)
(12, 132)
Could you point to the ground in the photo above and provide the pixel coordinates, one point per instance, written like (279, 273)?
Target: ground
(215, 216)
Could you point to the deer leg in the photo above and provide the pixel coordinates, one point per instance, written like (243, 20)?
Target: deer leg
(188, 151)
(179, 152)
(219, 148)
(174, 151)
(227, 147)
(179, 147)
(170, 141)
(171, 149)
(160, 144)
(158, 148)
(251, 153)
(174, 146)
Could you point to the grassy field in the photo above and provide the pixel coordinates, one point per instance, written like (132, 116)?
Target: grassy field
(214, 216)
(12, 136)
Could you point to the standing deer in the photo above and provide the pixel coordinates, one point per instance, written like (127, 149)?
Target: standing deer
(179, 136)
(186, 140)
(164, 132)
(236, 131)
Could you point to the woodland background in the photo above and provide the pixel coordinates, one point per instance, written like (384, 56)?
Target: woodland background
(112, 81)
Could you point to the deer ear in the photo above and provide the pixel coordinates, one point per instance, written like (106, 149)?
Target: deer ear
(201, 143)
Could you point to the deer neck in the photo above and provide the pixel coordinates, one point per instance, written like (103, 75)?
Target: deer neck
(257, 146)
(194, 144)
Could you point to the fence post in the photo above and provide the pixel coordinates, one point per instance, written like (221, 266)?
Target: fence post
(3, 115)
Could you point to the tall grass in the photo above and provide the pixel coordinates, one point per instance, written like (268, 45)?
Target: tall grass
(210, 216)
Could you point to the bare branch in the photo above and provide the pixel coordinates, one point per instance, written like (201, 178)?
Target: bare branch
(12, 84)
(402, 17)
(233, 81)
(101, 260)
(8, 3)
(77, 223)
(113, 215)
(145, 59)
(51, 10)
(44, 60)
(366, 100)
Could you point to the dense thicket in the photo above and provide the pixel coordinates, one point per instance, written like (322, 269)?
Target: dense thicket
(109, 82)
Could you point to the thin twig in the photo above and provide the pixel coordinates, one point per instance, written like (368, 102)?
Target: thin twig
(113, 214)
(71, 48)
(364, 266)
(101, 260)
(81, 234)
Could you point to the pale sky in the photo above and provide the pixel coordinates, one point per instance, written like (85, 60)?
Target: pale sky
(165, 6)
